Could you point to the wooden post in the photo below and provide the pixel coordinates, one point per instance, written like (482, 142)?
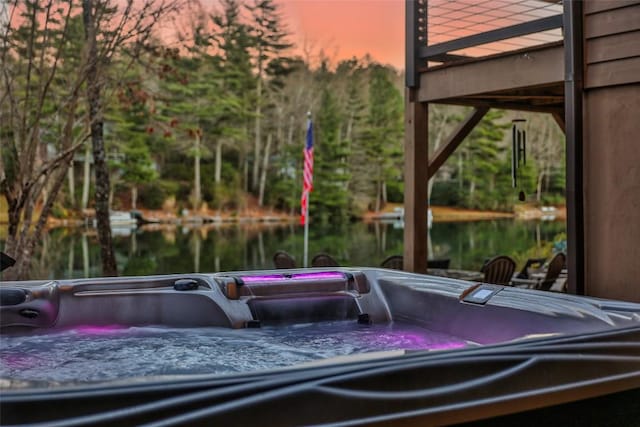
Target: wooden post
(573, 114)
(416, 161)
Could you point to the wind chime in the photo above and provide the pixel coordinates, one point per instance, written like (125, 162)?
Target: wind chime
(518, 154)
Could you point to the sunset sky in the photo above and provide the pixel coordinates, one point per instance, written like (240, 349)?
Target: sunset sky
(347, 28)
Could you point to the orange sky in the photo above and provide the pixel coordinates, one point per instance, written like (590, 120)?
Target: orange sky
(347, 28)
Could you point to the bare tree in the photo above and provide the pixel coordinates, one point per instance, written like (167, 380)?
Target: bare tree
(545, 142)
(442, 121)
(44, 70)
(109, 266)
(33, 37)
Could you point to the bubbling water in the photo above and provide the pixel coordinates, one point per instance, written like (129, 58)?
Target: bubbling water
(95, 354)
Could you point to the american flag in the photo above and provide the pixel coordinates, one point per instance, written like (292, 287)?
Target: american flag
(307, 174)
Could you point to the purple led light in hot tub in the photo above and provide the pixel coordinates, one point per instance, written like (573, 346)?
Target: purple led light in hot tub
(264, 278)
(300, 276)
(321, 275)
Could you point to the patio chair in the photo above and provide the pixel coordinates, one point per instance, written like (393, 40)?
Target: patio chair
(281, 259)
(324, 260)
(441, 263)
(394, 262)
(499, 270)
(544, 283)
(532, 265)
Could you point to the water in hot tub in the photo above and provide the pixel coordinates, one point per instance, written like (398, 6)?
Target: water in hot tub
(93, 354)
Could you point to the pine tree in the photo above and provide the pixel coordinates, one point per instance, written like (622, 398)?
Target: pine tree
(130, 136)
(384, 133)
(331, 171)
(204, 98)
(353, 78)
(268, 38)
(238, 82)
(484, 162)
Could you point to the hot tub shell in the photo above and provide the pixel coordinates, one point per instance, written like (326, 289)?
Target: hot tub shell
(537, 353)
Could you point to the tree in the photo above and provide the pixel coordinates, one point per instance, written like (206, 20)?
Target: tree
(182, 107)
(94, 99)
(233, 43)
(33, 41)
(130, 134)
(545, 148)
(202, 97)
(484, 162)
(351, 81)
(268, 39)
(291, 102)
(384, 132)
(331, 171)
(41, 88)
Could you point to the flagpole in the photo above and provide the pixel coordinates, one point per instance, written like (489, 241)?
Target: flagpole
(306, 235)
(307, 186)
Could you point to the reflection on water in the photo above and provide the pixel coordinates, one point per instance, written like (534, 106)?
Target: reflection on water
(74, 252)
(72, 356)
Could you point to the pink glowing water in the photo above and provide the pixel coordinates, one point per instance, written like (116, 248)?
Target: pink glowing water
(104, 353)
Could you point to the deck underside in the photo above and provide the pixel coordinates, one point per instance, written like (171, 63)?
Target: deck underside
(529, 79)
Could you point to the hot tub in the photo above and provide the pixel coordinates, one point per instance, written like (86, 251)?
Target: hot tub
(315, 346)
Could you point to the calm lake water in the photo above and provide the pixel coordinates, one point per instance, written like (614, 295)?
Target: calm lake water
(74, 252)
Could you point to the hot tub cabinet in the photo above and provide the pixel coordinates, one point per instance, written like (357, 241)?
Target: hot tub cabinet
(530, 356)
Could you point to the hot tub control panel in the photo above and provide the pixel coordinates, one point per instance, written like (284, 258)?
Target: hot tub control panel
(480, 293)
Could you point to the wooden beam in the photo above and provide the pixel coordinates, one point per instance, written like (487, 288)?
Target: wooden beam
(521, 97)
(469, 102)
(458, 135)
(535, 67)
(416, 157)
(448, 57)
(559, 118)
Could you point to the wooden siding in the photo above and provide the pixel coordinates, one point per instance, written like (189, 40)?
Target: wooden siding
(611, 148)
(612, 43)
(612, 192)
(593, 6)
(613, 73)
(609, 22)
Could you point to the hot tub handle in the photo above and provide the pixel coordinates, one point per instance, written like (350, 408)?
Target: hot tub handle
(12, 296)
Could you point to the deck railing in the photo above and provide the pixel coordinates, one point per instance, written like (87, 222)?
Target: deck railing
(442, 31)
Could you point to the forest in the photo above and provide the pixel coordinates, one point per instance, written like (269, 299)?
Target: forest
(181, 105)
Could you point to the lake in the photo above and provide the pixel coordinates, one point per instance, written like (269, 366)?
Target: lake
(74, 252)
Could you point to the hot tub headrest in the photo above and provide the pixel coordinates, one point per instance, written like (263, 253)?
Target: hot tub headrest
(285, 285)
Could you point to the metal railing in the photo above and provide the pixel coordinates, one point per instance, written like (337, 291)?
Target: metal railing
(441, 31)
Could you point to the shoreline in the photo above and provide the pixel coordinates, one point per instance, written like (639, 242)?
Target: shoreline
(454, 214)
(257, 216)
